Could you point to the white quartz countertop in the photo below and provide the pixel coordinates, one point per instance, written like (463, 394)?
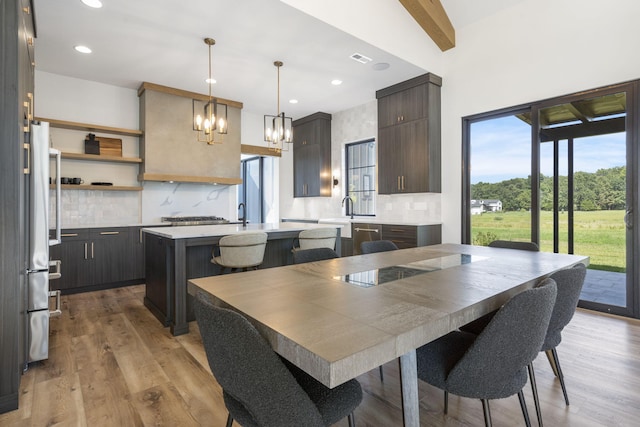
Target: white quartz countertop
(374, 220)
(194, 231)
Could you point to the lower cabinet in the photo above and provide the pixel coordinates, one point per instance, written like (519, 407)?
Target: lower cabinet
(98, 258)
(404, 236)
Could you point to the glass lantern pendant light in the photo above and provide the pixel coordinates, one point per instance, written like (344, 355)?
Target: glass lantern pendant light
(212, 118)
(278, 129)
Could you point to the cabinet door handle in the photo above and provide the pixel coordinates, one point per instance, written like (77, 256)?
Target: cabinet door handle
(398, 182)
(109, 233)
(69, 234)
(85, 251)
(141, 235)
(402, 182)
(368, 230)
(92, 250)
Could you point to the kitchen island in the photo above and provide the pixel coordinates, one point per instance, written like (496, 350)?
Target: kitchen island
(175, 254)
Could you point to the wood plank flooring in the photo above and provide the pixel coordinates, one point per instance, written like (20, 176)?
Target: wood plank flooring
(113, 364)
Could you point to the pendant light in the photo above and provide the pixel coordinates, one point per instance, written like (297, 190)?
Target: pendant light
(278, 129)
(212, 118)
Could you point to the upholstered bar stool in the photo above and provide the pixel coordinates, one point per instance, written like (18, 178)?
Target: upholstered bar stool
(241, 251)
(317, 238)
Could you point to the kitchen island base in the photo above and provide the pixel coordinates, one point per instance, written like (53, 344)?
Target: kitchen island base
(175, 254)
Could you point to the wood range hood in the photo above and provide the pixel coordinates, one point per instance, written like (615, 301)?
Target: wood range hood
(170, 148)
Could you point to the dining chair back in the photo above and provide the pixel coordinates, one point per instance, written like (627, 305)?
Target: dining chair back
(513, 244)
(570, 283)
(377, 246)
(315, 254)
(258, 387)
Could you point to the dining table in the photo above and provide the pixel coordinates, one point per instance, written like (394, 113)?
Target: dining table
(337, 319)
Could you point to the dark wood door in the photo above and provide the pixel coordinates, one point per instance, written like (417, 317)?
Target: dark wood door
(110, 250)
(135, 269)
(389, 160)
(414, 152)
(74, 254)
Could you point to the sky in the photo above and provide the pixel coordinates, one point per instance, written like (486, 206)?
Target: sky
(501, 149)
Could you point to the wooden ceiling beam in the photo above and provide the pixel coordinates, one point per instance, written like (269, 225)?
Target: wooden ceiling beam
(433, 19)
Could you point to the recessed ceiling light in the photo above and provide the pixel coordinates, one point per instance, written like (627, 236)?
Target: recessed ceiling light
(380, 66)
(336, 82)
(210, 81)
(293, 101)
(93, 3)
(82, 49)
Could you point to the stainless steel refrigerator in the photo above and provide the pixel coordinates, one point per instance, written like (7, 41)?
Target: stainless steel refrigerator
(38, 293)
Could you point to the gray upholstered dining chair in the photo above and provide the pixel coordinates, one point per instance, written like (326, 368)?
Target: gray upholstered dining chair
(377, 246)
(259, 388)
(493, 364)
(513, 244)
(315, 254)
(317, 238)
(241, 251)
(570, 283)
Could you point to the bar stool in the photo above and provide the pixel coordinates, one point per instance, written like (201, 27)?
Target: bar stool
(317, 238)
(241, 251)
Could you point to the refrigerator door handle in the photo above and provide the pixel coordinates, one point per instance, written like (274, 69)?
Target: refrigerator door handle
(58, 237)
(55, 274)
(57, 312)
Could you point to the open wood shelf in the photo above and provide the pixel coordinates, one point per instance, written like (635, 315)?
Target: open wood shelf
(63, 124)
(98, 187)
(100, 158)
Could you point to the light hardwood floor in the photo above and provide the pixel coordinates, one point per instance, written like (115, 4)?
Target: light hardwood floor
(112, 364)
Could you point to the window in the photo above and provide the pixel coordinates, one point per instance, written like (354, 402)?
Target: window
(251, 192)
(361, 177)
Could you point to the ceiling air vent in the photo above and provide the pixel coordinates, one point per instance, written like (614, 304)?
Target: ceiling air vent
(360, 58)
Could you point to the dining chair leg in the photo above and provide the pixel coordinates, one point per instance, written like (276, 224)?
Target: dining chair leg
(523, 406)
(352, 420)
(381, 374)
(552, 355)
(229, 420)
(487, 412)
(534, 391)
(552, 362)
(446, 402)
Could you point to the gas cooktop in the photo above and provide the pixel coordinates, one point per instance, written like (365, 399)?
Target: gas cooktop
(194, 220)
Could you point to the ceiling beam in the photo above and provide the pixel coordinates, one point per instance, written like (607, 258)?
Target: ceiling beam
(433, 19)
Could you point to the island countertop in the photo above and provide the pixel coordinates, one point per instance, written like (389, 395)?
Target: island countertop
(195, 231)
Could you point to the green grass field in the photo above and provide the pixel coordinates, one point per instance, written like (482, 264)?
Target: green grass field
(597, 234)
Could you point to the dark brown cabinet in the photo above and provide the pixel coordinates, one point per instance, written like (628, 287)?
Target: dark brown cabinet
(312, 156)
(409, 136)
(16, 107)
(98, 258)
(404, 236)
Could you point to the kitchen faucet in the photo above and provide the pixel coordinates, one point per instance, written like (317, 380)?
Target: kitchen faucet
(348, 210)
(244, 214)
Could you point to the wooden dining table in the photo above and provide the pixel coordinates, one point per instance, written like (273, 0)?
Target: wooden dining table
(339, 318)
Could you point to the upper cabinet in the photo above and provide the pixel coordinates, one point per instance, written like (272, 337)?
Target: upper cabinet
(312, 156)
(409, 136)
(170, 149)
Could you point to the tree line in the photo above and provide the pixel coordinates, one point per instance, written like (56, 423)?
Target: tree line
(604, 189)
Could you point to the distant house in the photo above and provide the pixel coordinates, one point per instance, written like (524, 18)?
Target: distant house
(481, 206)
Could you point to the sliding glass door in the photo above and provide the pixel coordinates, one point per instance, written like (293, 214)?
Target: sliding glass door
(582, 152)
